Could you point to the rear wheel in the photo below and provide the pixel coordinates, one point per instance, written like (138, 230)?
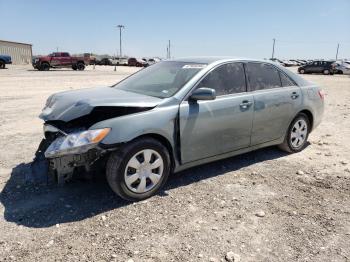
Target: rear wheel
(297, 134)
(139, 169)
(326, 72)
(80, 66)
(74, 67)
(340, 72)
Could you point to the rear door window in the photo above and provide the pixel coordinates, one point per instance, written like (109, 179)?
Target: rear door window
(262, 76)
(285, 80)
(226, 79)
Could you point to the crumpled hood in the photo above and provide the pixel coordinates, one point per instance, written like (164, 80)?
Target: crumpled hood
(69, 105)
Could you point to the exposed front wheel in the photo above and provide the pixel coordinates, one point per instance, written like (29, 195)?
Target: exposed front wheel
(302, 71)
(139, 169)
(2, 64)
(297, 134)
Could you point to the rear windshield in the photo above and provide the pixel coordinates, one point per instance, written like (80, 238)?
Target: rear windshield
(161, 80)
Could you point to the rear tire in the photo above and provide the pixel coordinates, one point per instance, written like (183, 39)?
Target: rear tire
(297, 134)
(340, 72)
(80, 66)
(134, 184)
(326, 72)
(74, 67)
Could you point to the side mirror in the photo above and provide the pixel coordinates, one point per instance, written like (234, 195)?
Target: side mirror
(203, 93)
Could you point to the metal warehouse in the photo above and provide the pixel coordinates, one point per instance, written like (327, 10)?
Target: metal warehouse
(20, 53)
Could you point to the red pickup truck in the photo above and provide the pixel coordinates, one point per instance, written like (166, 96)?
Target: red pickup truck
(60, 60)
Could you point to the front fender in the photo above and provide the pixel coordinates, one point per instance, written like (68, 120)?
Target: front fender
(160, 121)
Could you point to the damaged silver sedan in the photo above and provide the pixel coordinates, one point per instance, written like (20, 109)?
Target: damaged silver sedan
(174, 115)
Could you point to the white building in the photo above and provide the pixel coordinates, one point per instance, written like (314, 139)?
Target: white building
(20, 53)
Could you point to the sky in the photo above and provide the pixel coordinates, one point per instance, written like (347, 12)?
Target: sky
(302, 29)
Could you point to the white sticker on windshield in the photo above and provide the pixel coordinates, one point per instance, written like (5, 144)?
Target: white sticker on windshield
(196, 66)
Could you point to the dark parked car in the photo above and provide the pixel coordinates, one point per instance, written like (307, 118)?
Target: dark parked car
(132, 61)
(5, 59)
(321, 67)
(136, 62)
(175, 115)
(105, 61)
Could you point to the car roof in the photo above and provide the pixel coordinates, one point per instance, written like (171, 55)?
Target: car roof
(213, 59)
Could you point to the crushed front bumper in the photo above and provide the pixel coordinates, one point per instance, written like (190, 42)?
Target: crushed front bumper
(61, 169)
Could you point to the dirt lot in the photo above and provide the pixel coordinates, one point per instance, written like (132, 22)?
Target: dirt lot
(253, 207)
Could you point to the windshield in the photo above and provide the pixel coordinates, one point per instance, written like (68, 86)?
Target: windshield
(161, 80)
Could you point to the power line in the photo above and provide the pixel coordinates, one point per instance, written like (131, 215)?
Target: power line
(309, 42)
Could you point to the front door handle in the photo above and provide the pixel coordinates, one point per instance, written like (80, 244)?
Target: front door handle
(294, 95)
(245, 104)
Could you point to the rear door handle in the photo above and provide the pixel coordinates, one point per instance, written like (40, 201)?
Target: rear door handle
(245, 104)
(294, 95)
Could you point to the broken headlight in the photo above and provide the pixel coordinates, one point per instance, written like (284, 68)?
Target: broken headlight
(76, 143)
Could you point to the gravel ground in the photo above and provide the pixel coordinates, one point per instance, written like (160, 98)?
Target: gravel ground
(261, 206)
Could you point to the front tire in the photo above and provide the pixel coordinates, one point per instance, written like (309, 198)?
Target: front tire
(44, 67)
(302, 71)
(326, 72)
(139, 169)
(297, 134)
(2, 64)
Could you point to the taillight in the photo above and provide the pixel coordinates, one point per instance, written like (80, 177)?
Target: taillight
(321, 94)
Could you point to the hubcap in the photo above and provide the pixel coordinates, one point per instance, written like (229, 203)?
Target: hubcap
(144, 171)
(299, 133)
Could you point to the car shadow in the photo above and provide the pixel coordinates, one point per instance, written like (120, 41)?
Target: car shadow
(39, 205)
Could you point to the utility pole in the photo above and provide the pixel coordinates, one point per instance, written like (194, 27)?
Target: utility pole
(273, 48)
(169, 50)
(120, 39)
(336, 56)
